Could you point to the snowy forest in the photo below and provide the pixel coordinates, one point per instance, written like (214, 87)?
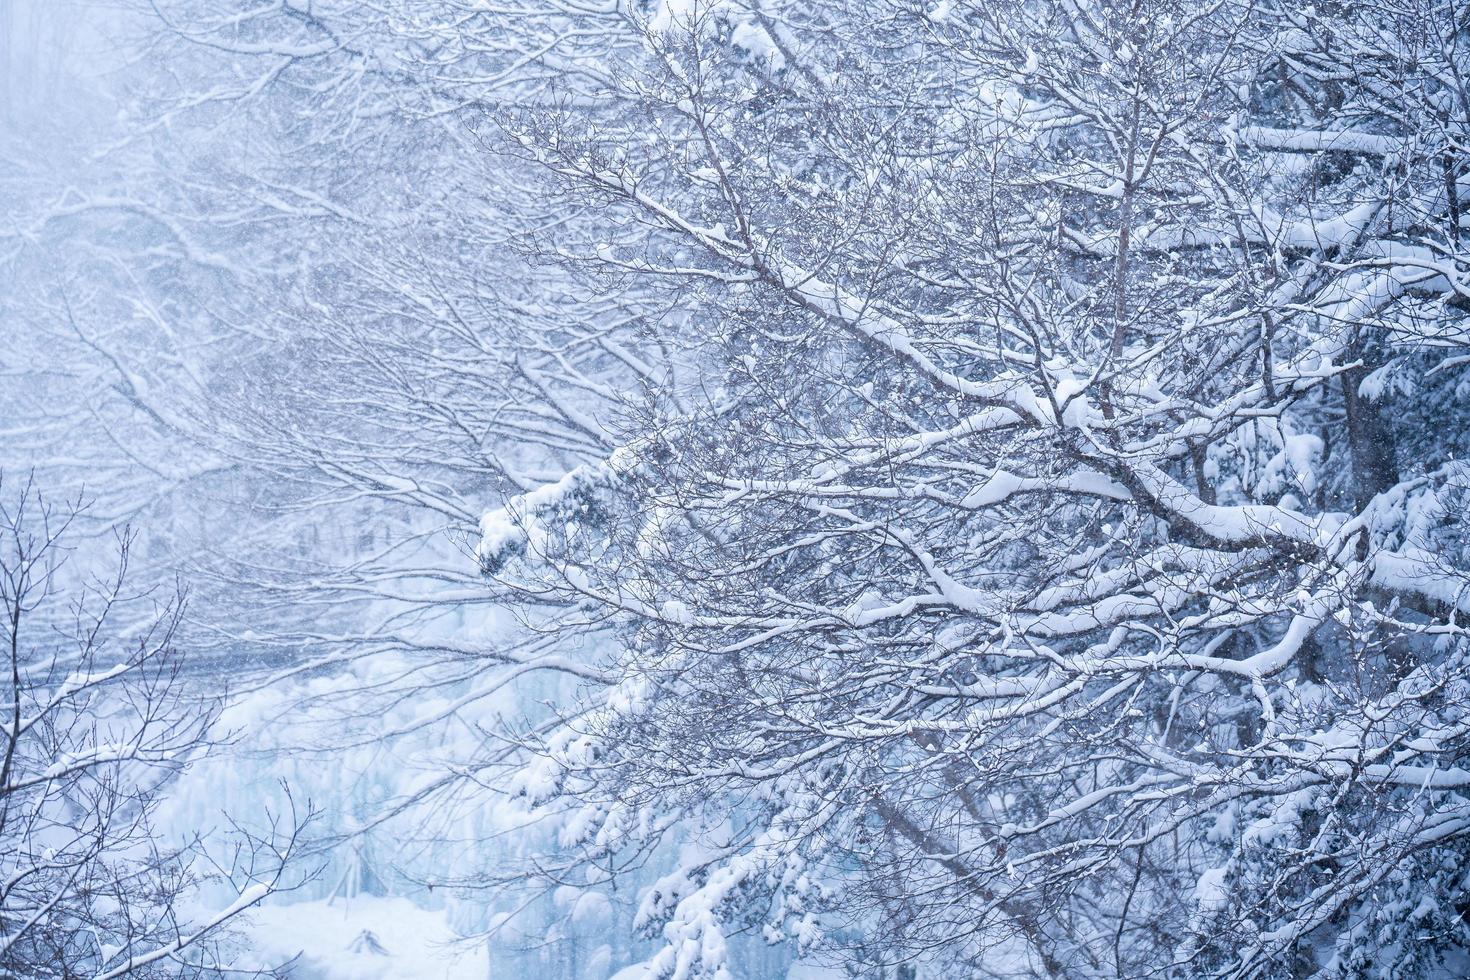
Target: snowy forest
(734, 489)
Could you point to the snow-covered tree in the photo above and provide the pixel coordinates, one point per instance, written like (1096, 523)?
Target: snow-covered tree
(97, 719)
(1060, 568)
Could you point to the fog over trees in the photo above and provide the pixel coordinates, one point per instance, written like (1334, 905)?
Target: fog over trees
(715, 489)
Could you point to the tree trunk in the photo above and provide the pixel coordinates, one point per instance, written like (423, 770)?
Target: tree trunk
(1374, 461)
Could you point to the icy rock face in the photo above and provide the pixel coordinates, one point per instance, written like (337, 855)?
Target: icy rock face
(369, 906)
(268, 767)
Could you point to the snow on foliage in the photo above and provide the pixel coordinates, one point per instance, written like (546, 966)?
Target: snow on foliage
(1066, 518)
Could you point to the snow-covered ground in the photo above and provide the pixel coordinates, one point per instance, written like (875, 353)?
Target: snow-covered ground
(373, 938)
(366, 938)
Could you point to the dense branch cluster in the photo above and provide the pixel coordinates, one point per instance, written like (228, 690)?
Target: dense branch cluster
(96, 721)
(1062, 570)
